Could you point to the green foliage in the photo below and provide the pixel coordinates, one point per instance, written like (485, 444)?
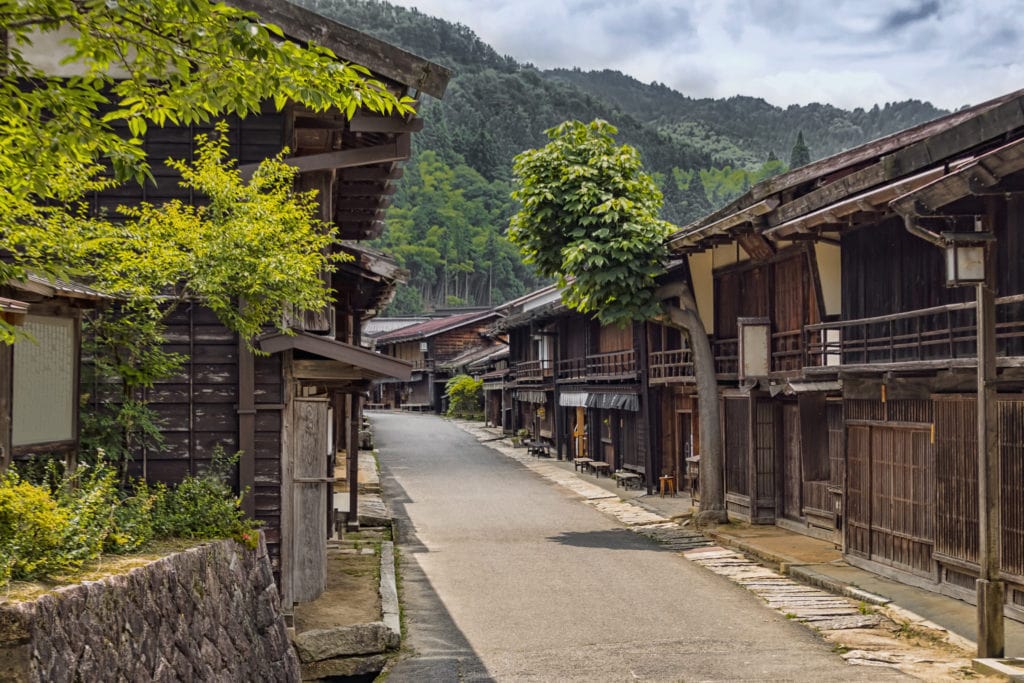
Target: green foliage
(204, 506)
(589, 217)
(722, 185)
(446, 230)
(139, 63)
(32, 528)
(800, 155)
(465, 396)
(61, 522)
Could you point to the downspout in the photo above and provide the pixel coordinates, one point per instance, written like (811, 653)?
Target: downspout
(910, 223)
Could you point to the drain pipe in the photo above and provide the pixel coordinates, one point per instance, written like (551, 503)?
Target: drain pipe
(910, 223)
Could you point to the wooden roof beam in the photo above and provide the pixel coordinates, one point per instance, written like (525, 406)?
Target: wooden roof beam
(352, 45)
(397, 150)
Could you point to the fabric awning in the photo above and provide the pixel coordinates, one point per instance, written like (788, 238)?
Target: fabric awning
(530, 396)
(573, 399)
(613, 401)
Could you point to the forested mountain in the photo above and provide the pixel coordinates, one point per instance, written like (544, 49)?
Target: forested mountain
(448, 221)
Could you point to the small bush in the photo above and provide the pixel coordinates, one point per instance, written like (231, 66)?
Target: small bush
(204, 506)
(465, 396)
(32, 530)
(59, 524)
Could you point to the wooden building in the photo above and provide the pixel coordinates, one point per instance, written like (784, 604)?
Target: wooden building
(292, 410)
(430, 347)
(846, 364)
(579, 385)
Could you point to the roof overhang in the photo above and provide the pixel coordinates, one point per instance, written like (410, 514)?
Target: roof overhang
(348, 362)
(13, 311)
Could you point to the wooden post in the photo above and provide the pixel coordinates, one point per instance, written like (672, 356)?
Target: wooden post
(353, 463)
(990, 589)
(247, 427)
(640, 344)
(6, 388)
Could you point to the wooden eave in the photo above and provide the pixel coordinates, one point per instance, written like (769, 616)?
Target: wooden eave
(980, 175)
(837, 178)
(351, 45)
(13, 311)
(872, 201)
(358, 363)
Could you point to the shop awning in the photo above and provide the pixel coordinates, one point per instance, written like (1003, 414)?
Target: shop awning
(573, 399)
(614, 401)
(530, 396)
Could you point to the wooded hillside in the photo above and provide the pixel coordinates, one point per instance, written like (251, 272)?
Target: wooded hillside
(450, 215)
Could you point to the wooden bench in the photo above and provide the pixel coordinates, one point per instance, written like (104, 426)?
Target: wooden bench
(581, 463)
(627, 479)
(538, 449)
(599, 468)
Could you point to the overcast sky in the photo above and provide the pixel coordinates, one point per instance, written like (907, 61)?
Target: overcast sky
(846, 52)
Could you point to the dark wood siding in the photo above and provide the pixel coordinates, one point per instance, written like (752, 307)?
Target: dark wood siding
(736, 413)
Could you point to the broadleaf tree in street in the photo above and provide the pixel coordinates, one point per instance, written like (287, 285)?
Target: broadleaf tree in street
(589, 217)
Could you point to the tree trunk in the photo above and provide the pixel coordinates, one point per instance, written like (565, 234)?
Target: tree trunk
(684, 317)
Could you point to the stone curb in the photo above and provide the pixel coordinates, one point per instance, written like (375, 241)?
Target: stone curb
(806, 574)
(389, 593)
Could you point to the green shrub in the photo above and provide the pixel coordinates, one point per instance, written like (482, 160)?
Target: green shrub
(204, 506)
(465, 396)
(32, 530)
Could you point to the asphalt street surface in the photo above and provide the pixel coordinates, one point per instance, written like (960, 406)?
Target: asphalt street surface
(506, 576)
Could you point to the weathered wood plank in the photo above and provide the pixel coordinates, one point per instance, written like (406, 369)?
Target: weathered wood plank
(309, 570)
(352, 45)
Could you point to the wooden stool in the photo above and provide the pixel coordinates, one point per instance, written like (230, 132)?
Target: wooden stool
(667, 481)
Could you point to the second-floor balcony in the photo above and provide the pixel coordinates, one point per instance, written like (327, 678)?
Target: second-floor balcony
(941, 336)
(676, 365)
(533, 371)
(612, 366)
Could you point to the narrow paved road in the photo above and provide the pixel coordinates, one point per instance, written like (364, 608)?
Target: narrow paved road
(506, 576)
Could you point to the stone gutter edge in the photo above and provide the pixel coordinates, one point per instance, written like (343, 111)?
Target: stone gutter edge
(389, 591)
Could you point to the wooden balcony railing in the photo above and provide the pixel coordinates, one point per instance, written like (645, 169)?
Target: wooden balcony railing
(675, 365)
(532, 371)
(940, 333)
(423, 364)
(612, 365)
(572, 370)
(727, 357)
(787, 351)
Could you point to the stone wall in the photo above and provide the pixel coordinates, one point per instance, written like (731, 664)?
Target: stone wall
(210, 613)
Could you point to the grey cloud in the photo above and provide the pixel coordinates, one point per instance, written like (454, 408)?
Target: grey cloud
(905, 17)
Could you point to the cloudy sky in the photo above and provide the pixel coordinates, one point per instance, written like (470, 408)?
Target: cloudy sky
(847, 52)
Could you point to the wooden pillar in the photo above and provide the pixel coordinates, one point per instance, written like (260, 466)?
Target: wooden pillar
(353, 462)
(651, 465)
(559, 428)
(990, 589)
(6, 391)
(247, 427)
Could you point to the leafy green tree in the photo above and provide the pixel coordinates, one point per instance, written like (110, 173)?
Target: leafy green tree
(800, 155)
(589, 218)
(136, 64)
(465, 396)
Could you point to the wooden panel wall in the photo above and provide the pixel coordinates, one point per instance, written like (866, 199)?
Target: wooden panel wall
(613, 338)
(858, 490)
(250, 140)
(765, 439)
(1011, 446)
(902, 497)
(888, 270)
(736, 423)
(956, 478)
